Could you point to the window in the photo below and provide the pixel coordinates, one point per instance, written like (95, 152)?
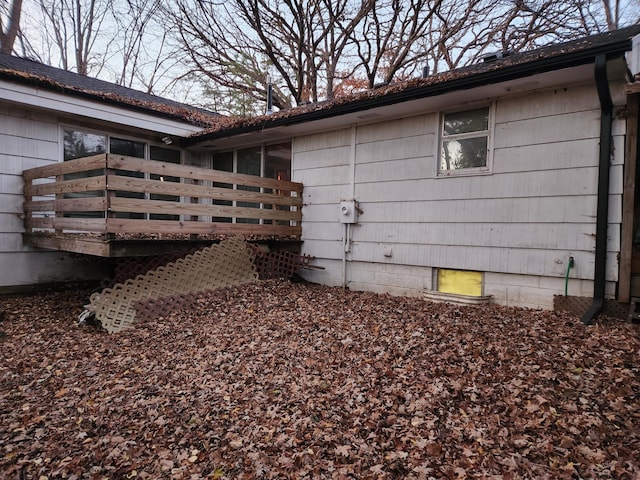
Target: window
(271, 161)
(465, 141)
(223, 161)
(277, 164)
(163, 154)
(249, 162)
(78, 144)
(130, 148)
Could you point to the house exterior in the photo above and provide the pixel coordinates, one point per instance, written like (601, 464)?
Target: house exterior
(512, 180)
(41, 110)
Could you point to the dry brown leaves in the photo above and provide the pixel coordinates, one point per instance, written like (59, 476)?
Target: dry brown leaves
(279, 380)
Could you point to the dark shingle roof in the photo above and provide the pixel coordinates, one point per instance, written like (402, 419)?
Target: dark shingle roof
(45, 76)
(516, 65)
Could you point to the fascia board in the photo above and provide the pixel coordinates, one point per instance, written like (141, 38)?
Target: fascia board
(58, 102)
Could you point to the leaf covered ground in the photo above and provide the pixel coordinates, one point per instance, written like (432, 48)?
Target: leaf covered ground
(280, 380)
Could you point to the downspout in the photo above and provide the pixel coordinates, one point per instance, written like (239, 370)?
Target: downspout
(602, 220)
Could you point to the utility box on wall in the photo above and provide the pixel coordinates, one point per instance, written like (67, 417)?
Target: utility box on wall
(348, 211)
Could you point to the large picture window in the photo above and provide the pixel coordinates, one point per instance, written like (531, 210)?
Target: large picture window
(465, 141)
(271, 161)
(78, 144)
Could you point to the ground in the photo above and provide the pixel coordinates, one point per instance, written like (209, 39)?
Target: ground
(280, 380)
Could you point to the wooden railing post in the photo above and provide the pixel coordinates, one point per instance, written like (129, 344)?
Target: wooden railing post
(109, 194)
(194, 236)
(59, 196)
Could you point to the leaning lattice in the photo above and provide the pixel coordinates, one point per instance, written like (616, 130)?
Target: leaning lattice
(226, 264)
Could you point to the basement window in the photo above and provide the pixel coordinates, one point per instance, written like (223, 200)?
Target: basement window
(460, 282)
(460, 287)
(465, 142)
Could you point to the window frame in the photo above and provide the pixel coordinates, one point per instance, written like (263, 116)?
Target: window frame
(264, 146)
(489, 134)
(127, 138)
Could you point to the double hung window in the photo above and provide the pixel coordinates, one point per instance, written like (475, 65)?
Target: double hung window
(465, 141)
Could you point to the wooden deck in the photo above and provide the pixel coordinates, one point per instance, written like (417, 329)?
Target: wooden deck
(111, 205)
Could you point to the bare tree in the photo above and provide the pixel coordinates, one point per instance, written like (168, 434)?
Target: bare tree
(74, 32)
(308, 50)
(142, 56)
(240, 44)
(9, 24)
(390, 37)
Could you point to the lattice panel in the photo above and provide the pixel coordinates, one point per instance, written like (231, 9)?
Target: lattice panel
(578, 306)
(226, 264)
(127, 268)
(280, 264)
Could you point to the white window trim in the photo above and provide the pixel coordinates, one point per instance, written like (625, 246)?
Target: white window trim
(465, 172)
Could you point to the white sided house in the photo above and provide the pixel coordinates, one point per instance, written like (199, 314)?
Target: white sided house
(511, 181)
(48, 115)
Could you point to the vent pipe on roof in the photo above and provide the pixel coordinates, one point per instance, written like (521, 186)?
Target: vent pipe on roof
(492, 57)
(425, 71)
(602, 212)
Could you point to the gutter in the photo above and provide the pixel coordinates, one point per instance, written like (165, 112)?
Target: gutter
(602, 212)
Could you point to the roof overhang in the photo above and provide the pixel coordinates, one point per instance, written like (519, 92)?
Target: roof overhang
(455, 91)
(92, 109)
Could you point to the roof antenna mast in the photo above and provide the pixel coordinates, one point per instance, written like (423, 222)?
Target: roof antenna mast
(269, 96)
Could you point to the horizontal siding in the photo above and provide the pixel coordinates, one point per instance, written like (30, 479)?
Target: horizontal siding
(322, 141)
(395, 149)
(397, 129)
(11, 203)
(28, 140)
(550, 209)
(549, 156)
(553, 236)
(534, 209)
(11, 222)
(560, 182)
(28, 126)
(318, 159)
(545, 130)
(329, 230)
(328, 176)
(10, 242)
(329, 194)
(577, 98)
(403, 169)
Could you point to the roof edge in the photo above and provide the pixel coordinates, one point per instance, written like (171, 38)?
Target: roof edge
(150, 108)
(499, 73)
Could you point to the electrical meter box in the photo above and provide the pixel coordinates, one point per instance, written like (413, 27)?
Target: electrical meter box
(348, 211)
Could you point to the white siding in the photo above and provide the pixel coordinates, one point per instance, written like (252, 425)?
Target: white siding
(29, 139)
(523, 220)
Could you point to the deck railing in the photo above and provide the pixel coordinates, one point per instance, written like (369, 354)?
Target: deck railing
(114, 194)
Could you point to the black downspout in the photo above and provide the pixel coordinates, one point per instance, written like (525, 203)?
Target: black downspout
(602, 220)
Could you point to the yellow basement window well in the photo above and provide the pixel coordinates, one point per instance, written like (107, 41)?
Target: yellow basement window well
(460, 282)
(458, 286)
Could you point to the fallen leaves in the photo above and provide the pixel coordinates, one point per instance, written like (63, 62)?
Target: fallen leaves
(279, 380)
